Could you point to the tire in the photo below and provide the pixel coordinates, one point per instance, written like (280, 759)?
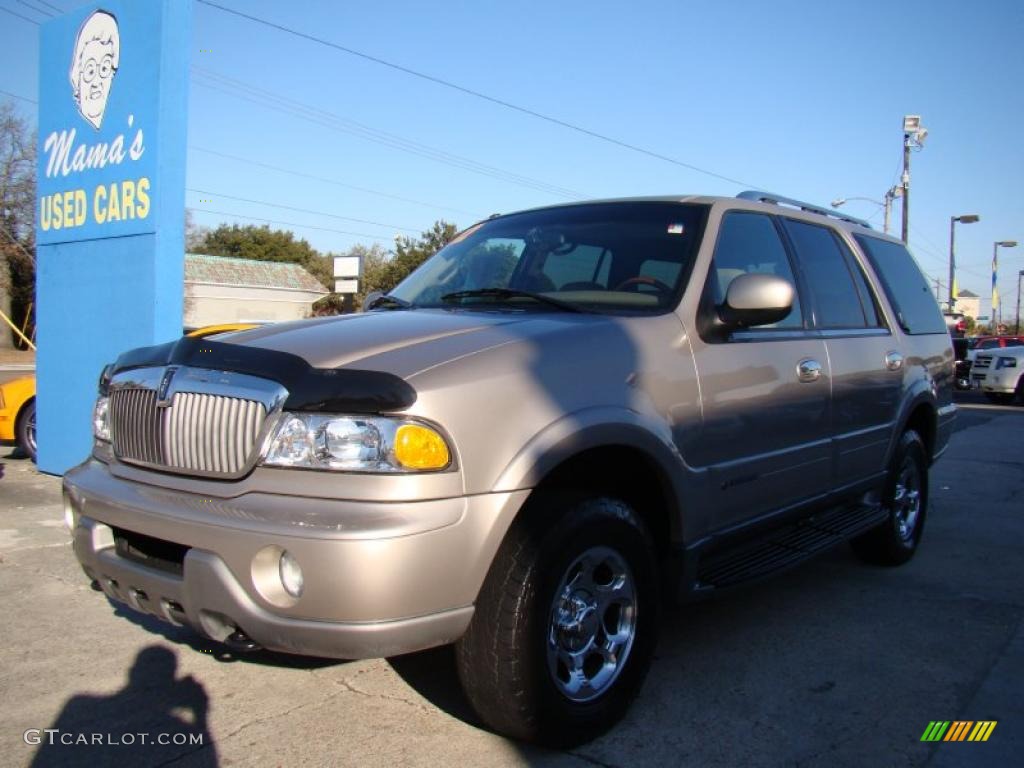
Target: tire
(896, 540)
(1020, 390)
(565, 573)
(1000, 398)
(26, 430)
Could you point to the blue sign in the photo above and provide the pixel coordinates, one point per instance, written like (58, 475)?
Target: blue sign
(113, 80)
(98, 123)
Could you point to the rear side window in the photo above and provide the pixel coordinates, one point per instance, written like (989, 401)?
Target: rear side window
(905, 285)
(837, 301)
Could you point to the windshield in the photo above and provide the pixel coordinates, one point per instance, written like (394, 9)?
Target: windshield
(603, 257)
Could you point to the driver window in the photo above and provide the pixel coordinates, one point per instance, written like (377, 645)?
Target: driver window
(750, 243)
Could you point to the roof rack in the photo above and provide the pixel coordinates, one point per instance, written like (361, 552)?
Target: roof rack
(768, 197)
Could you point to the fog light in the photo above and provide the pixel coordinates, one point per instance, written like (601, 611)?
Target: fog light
(291, 574)
(70, 515)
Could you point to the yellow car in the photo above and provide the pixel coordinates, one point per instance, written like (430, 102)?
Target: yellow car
(18, 414)
(18, 398)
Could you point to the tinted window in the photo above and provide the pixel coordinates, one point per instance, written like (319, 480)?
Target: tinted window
(867, 296)
(595, 256)
(749, 242)
(577, 270)
(905, 286)
(836, 301)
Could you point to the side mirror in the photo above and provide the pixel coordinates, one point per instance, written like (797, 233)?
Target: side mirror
(756, 299)
(371, 297)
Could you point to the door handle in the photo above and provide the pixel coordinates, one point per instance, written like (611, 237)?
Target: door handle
(893, 361)
(808, 370)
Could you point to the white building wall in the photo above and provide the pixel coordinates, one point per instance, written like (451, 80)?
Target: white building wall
(969, 306)
(209, 303)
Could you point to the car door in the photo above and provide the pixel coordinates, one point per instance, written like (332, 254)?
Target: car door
(865, 358)
(764, 391)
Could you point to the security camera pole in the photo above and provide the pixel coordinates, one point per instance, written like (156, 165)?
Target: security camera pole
(913, 136)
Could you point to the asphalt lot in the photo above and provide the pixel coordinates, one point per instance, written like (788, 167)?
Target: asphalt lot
(834, 663)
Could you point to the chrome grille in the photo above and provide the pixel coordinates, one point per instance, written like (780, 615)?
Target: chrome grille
(204, 433)
(982, 361)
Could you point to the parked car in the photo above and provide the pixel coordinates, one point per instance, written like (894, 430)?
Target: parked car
(961, 363)
(561, 418)
(982, 343)
(999, 374)
(18, 398)
(18, 414)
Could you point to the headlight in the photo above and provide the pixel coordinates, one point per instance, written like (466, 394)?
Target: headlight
(1006, 362)
(356, 444)
(101, 419)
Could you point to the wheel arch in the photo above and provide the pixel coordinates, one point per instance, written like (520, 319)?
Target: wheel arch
(611, 453)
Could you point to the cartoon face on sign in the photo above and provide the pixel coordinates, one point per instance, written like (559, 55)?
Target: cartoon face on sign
(94, 64)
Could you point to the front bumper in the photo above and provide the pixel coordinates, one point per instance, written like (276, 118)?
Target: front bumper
(380, 578)
(1001, 381)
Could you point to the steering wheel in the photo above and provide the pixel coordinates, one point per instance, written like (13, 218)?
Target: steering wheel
(644, 280)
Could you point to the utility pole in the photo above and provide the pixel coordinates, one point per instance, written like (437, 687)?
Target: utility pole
(913, 136)
(905, 183)
(1016, 325)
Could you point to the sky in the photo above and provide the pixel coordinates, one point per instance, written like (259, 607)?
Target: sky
(802, 99)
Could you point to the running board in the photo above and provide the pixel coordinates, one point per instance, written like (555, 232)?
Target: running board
(787, 546)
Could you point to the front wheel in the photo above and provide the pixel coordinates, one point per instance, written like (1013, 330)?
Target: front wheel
(26, 431)
(565, 623)
(906, 499)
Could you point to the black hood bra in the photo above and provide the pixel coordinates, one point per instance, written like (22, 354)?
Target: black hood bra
(340, 390)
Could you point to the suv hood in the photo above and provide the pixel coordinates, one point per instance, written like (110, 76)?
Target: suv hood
(402, 342)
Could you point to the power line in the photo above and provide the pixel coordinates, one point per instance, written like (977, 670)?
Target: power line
(478, 94)
(299, 210)
(326, 180)
(291, 224)
(16, 96)
(278, 102)
(51, 5)
(43, 11)
(23, 18)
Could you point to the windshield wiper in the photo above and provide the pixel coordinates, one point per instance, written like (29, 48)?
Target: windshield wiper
(393, 301)
(510, 293)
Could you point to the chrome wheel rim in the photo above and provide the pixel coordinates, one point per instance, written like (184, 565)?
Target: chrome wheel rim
(907, 500)
(30, 433)
(592, 624)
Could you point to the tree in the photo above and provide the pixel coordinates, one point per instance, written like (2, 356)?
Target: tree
(17, 214)
(265, 244)
(383, 270)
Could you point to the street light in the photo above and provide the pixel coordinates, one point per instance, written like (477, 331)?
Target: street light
(967, 218)
(913, 138)
(887, 205)
(995, 268)
(1016, 325)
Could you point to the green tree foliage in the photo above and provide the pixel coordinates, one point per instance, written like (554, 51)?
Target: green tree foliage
(17, 215)
(383, 270)
(265, 244)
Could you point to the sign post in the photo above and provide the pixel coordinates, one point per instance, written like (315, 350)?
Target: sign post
(111, 199)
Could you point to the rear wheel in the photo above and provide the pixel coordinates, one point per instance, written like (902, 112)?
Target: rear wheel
(26, 430)
(565, 623)
(906, 499)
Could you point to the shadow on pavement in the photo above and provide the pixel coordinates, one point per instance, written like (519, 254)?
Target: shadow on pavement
(188, 637)
(155, 719)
